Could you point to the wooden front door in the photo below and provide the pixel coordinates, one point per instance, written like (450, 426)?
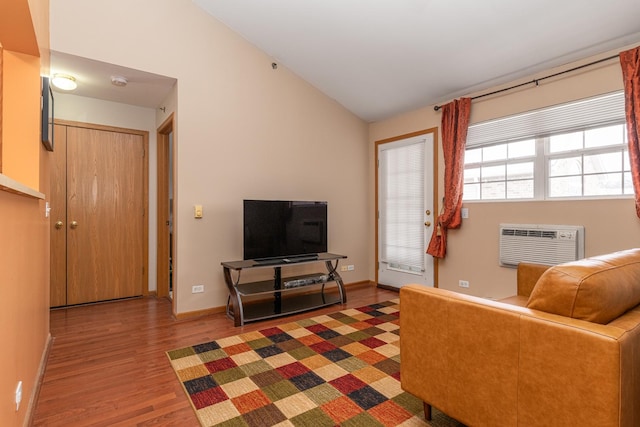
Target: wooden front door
(104, 226)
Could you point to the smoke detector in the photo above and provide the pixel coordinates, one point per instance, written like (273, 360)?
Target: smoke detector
(119, 81)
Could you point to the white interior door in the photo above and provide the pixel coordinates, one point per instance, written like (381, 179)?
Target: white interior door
(405, 215)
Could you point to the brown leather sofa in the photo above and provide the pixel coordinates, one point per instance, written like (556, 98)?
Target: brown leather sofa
(564, 352)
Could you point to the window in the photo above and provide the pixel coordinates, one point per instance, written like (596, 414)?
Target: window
(573, 150)
(501, 171)
(589, 163)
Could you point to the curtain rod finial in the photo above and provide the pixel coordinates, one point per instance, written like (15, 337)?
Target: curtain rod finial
(436, 108)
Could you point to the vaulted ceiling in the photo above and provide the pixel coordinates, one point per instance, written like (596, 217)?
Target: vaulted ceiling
(379, 58)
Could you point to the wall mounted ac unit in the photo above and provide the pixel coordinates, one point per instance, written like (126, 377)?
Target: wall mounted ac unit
(541, 244)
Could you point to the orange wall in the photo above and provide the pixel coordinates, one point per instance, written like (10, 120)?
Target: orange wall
(20, 129)
(24, 284)
(24, 229)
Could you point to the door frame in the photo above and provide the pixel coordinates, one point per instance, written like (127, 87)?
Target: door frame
(145, 186)
(434, 132)
(162, 286)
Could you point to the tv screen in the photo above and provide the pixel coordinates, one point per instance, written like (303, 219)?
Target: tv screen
(284, 229)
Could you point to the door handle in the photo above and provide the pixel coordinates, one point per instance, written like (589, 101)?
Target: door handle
(59, 225)
(74, 224)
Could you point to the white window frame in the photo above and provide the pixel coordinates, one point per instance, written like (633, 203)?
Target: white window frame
(601, 111)
(548, 156)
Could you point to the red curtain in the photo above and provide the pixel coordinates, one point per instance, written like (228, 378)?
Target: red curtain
(630, 61)
(455, 122)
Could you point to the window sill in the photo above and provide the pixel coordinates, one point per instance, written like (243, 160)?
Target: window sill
(555, 199)
(11, 186)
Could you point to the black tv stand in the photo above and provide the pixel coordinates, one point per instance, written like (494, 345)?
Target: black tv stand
(286, 260)
(282, 296)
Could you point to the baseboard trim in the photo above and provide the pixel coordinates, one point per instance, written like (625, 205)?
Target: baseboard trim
(388, 288)
(35, 393)
(200, 313)
(360, 284)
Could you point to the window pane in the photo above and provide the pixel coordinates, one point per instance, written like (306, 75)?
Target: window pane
(628, 184)
(565, 166)
(605, 162)
(493, 190)
(473, 156)
(493, 173)
(471, 192)
(601, 137)
(565, 142)
(603, 184)
(519, 170)
(627, 165)
(565, 186)
(522, 149)
(471, 175)
(496, 152)
(520, 189)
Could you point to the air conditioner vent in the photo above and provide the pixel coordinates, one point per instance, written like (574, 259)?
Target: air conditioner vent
(530, 233)
(542, 244)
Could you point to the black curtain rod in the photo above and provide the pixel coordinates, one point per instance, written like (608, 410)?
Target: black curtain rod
(537, 81)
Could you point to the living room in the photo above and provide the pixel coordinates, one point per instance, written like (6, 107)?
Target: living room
(241, 129)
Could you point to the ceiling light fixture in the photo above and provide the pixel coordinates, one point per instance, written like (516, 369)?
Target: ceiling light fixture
(64, 81)
(119, 81)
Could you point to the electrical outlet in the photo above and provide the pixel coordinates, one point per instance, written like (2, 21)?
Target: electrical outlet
(197, 289)
(351, 267)
(464, 212)
(344, 268)
(463, 283)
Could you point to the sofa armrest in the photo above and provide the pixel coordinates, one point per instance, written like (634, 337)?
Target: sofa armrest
(528, 275)
(462, 354)
(459, 354)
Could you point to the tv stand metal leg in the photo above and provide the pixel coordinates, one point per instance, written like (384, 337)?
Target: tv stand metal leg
(234, 299)
(333, 272)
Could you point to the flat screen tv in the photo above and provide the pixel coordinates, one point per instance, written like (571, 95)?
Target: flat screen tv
(278, 229)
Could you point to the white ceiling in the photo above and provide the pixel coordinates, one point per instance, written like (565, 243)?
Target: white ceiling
(382, 57)
(379, 58)
(94, 81)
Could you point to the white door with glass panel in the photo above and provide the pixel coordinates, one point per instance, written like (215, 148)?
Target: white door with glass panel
(405, 211)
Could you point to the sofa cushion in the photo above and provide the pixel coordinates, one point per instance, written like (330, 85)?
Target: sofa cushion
(596, 289)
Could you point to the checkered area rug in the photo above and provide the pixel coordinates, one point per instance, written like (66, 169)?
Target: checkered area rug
(337, 369)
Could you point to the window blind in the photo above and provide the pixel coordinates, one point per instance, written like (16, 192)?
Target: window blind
(577, 115)
(403, 229)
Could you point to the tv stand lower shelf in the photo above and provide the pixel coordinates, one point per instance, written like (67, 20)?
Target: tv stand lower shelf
(253, 301)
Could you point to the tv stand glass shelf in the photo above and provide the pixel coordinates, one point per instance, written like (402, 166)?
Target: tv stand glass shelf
(248, 302)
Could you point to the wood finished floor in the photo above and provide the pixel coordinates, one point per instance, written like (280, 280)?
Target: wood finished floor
(107, 365)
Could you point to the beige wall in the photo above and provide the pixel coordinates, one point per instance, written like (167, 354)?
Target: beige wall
(473, 253)
(243, 130)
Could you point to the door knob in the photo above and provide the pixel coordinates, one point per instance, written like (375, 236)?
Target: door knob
(74, 224)
(428, 212)
(427, 224)
(59, 224)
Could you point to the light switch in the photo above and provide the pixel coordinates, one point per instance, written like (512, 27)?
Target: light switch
(197, 211)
